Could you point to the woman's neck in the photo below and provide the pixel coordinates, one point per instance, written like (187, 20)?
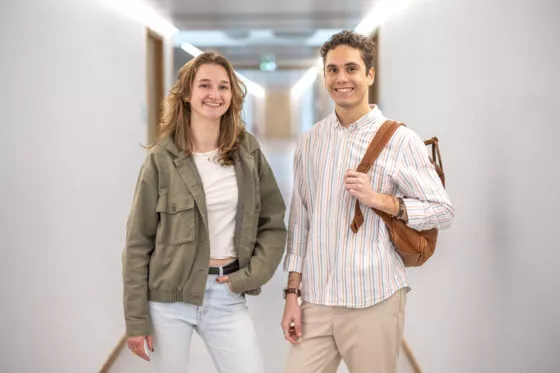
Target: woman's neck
(205, 135)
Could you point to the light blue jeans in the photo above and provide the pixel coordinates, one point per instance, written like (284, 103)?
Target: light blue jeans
(224, 324)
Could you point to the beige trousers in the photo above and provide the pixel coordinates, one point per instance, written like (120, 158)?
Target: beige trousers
(367, 339)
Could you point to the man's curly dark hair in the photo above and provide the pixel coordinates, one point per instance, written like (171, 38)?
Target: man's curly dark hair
(352, 39)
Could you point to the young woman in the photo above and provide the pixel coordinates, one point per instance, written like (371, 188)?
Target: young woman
(206, 228)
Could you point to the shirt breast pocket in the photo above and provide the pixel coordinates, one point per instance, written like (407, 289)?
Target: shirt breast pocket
(177, 218)
(382, 180)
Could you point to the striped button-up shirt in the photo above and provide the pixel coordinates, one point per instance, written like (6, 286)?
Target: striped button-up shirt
(340, 268)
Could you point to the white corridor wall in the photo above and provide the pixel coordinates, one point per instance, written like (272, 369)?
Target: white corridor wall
(483, 77)
(73, 82)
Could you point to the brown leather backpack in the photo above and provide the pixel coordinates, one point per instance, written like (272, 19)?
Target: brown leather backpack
(413, 246)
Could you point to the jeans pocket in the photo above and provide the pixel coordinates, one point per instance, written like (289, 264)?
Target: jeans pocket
(236, 297)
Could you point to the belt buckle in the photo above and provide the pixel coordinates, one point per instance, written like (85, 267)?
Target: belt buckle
(213, 270)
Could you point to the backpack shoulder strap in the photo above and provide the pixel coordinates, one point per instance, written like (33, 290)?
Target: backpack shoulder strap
(379, 142)
(376, 146)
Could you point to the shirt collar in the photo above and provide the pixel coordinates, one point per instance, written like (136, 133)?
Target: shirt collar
(372, 119)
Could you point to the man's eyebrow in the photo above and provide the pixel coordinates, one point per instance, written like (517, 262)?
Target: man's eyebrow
(347, 64)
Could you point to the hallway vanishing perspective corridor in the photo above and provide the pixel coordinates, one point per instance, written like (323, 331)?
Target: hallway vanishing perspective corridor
(82, 85)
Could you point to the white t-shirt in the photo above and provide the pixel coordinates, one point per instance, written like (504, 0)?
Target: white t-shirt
(220, 190)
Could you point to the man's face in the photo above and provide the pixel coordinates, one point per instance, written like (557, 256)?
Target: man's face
(346, 77)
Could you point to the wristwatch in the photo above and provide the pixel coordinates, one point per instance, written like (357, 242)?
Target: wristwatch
(401, 208)
(292, 291)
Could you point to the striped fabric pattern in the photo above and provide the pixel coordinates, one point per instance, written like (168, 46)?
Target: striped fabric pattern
(340, 268)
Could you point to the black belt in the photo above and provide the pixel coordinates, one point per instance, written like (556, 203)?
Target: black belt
(227, 269)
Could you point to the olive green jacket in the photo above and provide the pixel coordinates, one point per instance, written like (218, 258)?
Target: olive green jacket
(167, 250)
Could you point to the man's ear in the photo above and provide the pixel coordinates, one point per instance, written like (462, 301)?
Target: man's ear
(371, 76)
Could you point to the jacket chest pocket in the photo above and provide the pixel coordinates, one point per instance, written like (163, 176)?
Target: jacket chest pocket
(177, 218)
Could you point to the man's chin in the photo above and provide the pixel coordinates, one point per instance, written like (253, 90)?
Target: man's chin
(345, 104)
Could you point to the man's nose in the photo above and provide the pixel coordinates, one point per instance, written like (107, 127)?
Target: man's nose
(341, 77)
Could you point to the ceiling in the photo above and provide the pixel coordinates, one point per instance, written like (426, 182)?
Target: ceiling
(286, 15)
(248, 32)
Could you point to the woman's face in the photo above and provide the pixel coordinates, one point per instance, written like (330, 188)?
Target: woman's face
(211, 93)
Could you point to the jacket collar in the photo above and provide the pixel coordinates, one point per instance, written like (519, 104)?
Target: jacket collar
(168, 144)
(244, 163)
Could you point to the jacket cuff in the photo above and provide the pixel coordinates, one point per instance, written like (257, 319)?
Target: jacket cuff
(238, 281)
(138, 328)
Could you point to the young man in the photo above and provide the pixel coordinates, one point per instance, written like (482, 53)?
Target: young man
(353, 285)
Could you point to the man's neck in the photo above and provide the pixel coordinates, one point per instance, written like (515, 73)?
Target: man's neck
(348, 116)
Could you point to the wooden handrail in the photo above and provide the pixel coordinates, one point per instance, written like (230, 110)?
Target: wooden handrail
(410, 356)
(122, 342)
(113, 356)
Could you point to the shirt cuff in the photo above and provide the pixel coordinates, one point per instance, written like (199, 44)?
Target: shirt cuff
(293, 263)
(415, 213)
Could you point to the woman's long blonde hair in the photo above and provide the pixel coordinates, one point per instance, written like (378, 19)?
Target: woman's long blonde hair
(176, 115)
